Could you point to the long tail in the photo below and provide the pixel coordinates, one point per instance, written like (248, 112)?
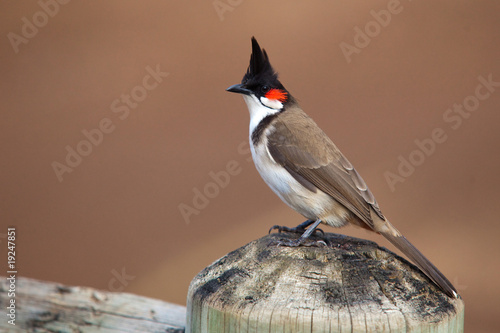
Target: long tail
(397, 239)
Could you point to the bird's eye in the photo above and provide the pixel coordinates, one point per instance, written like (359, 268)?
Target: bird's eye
(264, 89)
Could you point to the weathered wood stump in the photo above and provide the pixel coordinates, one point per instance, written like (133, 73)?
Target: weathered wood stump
(351, 285)
(50, 307)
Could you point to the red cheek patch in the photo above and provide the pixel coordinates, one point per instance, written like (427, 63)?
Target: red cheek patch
(278, 94)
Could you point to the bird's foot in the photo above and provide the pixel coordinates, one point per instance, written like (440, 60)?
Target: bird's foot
(305, 233)
(300, 229)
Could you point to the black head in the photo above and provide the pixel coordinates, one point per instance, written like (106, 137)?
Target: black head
(260, 79)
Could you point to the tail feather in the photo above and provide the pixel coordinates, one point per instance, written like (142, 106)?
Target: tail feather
(386, 229)
(419, 260)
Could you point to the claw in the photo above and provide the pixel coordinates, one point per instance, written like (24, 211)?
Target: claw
(282, 228)
(297, 230)
(318, 230)
(279, 227)
(305, 233)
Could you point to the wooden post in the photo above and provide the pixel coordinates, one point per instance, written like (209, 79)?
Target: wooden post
(351, 285)
(50, 307)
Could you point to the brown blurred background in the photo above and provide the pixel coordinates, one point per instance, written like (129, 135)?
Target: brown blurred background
(118, 212)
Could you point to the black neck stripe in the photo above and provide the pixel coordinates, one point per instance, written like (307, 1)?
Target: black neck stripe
(259, 130)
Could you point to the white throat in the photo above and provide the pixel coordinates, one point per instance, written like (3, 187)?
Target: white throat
(259, 111)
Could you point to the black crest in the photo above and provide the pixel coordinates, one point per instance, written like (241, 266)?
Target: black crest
(260, 69)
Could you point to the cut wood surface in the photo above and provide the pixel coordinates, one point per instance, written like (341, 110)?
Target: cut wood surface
(350, 285)
(51, 307)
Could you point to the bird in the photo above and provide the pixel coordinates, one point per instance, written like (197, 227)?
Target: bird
(307, 171)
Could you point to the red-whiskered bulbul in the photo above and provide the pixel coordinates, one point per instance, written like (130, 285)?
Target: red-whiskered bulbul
(307, 171)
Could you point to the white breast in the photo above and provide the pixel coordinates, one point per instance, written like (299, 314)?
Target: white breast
(312, 205)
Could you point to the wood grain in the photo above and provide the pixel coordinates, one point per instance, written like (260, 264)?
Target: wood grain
(351, 285)
(51, 307)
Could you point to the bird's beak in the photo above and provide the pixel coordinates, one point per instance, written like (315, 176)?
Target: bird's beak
(239, 88)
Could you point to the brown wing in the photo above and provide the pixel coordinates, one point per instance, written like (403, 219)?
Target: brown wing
(320, 165)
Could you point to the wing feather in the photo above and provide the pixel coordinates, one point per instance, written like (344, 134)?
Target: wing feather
(318, 163)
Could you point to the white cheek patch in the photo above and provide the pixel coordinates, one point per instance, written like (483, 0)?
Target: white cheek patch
(257, 111)
(271, 103)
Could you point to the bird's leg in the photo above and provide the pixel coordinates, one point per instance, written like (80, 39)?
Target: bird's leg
(301, 240)
(300, 229)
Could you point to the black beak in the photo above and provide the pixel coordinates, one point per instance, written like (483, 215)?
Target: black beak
(239, 88)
